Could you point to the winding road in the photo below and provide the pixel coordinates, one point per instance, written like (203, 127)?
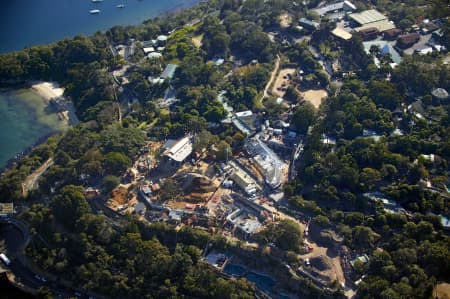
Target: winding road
(16, 237)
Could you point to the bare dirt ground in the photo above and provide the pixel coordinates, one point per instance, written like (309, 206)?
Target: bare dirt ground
(282, 81)
(200, 167)
(154, 147)
(335, 273)
(285, 20)
(197, 41)
(315, 97)
(442, 291)
(122, 196)
(119, 196)
(175, 204)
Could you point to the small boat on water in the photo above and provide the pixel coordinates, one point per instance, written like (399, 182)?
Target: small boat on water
(94, 11)
(120, 5)
(97, 1)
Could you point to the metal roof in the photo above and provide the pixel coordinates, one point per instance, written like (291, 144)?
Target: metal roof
(271, 165)
(440, 93)
(368, 16)
(382, 25)
(341, 33)
(244, 113)
(305, 22)
(385, 48)
(148, 50)
(180, 150)
(169, 71)
(329, 8)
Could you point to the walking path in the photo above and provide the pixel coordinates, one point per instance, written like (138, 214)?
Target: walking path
(272, 78)
(31, 180)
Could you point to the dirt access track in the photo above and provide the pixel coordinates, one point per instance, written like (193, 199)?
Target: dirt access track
(283, 81)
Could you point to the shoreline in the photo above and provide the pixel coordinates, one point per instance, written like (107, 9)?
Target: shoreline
(53, 96)
(50, 95)
(138, 21)
(51, 92)
(18, 157)
(47, 90)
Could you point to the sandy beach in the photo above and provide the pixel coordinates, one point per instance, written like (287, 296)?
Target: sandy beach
(51, 90)
(48, 90)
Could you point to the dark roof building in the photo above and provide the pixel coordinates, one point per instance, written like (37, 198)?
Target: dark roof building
(308, 24)
(429, 27)
(369, 33)
(406, 41)
(392, 34)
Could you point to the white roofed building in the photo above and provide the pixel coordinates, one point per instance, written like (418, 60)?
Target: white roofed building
(367, 16)
(243, 180)
(162, 39)
(341, 33)
(335, 7)
(371, 18)
(148, 50)
(267, 161)
(179, 151)
(154, 55)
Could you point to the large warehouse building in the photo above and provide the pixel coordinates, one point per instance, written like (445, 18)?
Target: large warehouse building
(371, 18)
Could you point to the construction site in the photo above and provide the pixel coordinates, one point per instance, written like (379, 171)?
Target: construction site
(234, 198)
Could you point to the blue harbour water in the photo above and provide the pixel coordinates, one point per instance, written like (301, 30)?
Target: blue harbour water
(25, 23)
(24, 120)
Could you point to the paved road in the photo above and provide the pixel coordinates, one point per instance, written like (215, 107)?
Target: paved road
(16, 238)
(15, 242)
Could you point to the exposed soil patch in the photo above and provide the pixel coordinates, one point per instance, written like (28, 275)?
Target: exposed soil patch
(442, 291)
(283, 81)
(197, 40)
(315, 97)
